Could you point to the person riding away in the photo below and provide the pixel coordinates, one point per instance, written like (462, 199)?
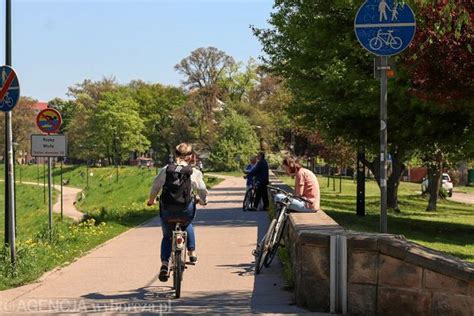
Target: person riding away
(178, 181)
(306, 183)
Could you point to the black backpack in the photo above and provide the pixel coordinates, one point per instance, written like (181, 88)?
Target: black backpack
(176, 194)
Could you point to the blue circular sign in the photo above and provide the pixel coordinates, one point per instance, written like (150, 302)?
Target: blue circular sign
(385, 27)
(9, 90)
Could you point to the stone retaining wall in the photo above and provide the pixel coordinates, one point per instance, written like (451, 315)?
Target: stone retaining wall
(386, 274)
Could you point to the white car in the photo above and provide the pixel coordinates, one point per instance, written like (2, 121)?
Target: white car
(446, 183)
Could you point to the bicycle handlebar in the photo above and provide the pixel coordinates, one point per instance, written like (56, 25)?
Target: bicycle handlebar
(290, 195)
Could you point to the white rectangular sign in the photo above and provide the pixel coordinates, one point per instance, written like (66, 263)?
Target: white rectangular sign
(48, 146)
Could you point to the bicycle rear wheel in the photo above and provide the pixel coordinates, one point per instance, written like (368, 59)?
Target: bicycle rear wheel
(275, 244)
(177, 273)
(262, 248)
(248, 200)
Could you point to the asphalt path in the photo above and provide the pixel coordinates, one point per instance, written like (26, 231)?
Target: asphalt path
(120, 277)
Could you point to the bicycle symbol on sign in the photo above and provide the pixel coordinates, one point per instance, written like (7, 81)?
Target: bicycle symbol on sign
(386, 39)
(7, 100)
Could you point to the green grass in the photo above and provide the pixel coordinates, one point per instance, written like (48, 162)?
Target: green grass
(32, 211)
(112, 207)
(450, 229)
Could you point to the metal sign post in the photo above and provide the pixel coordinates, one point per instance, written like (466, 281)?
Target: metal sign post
(50, 197)
(9, 96)
(383, 145)
(62, 196)
(384, 28)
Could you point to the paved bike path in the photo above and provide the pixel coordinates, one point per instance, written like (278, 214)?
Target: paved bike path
(121, 275)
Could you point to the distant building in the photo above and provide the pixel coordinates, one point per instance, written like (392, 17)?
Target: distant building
(40, 106)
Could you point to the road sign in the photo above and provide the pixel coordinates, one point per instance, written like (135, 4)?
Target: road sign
(10, 90)
(48, 146)
(385, 27)
(49, 121)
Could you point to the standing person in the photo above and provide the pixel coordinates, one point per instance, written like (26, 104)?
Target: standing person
(177, 181)
(306, 183)
(248, 168)
(260, 172)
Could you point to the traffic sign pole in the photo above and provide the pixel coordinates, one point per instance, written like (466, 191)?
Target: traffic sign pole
(9, 164)
(50, 196)
(384, 28)
(383, 144)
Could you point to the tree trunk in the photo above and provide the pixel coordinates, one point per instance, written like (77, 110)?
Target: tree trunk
(398, 168)
(393, 181)
(435, 171)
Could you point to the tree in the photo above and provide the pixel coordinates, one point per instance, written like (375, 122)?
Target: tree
(118, 127)
(203, 68)
(237, 141)
(159, 106)
(85, 98)
(67, 108)
(23, 124)
(440, 63)
(313, 46)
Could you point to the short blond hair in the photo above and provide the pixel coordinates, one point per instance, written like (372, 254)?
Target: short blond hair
(183, 150)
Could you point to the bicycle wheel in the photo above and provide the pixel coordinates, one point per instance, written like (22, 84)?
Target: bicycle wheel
(276, 236)
(396, 42)
(262, 248)
(248, 200)
(177, 273)
(375, 43)
(274, 247)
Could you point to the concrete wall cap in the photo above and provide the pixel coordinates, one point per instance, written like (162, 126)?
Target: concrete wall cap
(440, 262)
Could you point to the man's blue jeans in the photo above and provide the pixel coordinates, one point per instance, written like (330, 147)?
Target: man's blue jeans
(167, 228)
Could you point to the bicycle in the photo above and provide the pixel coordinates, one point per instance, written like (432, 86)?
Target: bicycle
(269, 244)
(178, 254)
(249, 198)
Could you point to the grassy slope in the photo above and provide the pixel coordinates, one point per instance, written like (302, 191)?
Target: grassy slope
(32, 212)
(450, 229)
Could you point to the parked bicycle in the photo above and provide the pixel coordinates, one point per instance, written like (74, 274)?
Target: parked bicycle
(249, 198)
(267, 248)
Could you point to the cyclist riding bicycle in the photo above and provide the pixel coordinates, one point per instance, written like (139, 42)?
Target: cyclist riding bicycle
(178, 181)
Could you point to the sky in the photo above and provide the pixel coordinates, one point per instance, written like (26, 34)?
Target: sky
(56, 44)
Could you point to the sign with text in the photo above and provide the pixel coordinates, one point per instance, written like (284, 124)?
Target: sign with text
(48, 146)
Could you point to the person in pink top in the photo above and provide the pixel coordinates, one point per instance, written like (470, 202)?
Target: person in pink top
(306, 183)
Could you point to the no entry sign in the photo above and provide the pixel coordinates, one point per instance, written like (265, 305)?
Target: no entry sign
(49, 121)
(10, 90)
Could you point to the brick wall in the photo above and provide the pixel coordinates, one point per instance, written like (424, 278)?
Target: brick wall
(386, 274)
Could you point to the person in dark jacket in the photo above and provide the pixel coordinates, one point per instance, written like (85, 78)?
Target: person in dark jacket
(260, 172)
